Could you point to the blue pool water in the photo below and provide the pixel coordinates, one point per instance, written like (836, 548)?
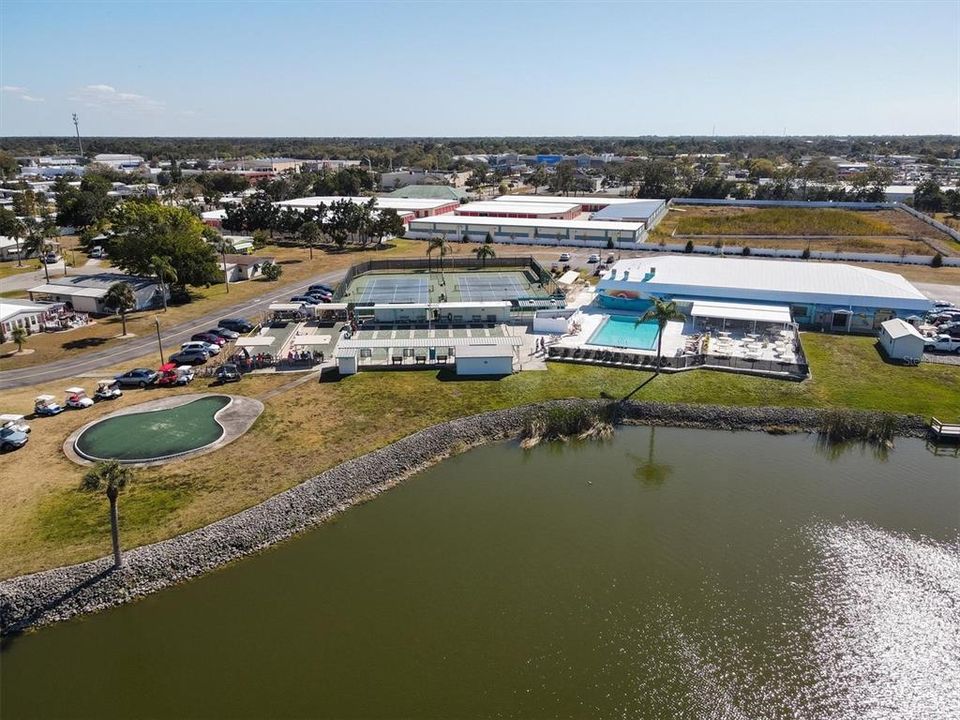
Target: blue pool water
(621, 331)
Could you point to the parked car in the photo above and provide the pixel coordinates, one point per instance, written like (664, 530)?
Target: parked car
(228, 372)
(14, 422)
(77, 398)
(321, 298)
(209, 348)
(107, 390)
(304, 300)
(193, 356)
(319, 293)
(173, 374)
(236, 324)
(51, 258)
(942, 304)
(611, 259)
(139, 377)
(11, 439)
(564, 257)
(97, 252)
(224, 333)
(210, 338)
(321, 287)
(943, 343)
(593, 259)
(46, 405)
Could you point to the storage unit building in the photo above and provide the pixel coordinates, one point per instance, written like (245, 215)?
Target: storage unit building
(484, 360)
(900, 340)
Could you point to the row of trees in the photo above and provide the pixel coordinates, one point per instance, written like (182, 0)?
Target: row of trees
(341, 221)
(930, 198)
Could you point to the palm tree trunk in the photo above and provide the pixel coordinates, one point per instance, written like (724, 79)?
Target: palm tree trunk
(46, 270)
(123, 319)
(163, 294)
(660, 348)
(115, 533)
(16, 240)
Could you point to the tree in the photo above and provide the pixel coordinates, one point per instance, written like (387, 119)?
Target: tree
(745, 251)
(388, 223)
(927, 197)
(662, 311)
(111, 477)
(38, 236)
(145, 230)
(12, 227)
(951, 202)
(271, 271)
(259, 239)
(165, 273)
(538, 178)
(25, 202)
(442, 247)
(871, 184)
(937, 261)
(309, 234)
(9, 167)
(688, 248)
(19, 335)
(84, 206)
(483, 252)
(762, 168)
(121, 299)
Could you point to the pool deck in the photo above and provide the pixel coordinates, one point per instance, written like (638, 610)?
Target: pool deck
(236, 418)
(590, 320)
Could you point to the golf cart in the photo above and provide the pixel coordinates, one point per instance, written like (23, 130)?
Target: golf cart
(228, 372)
(45, 405)
(173, 374)
(13, 422)
(107, 390)
(77, 398)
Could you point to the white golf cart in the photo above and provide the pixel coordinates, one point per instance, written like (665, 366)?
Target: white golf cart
(13, 422)
(46, 405)
(77, 398)
(107, 390)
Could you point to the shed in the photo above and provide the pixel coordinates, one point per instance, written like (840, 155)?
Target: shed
(484, 360)
(900, 340)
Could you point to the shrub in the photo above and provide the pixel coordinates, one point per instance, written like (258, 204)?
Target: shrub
(688, 248)
(805, 255)
(272, 271)
(746, 250)
(568, 421)
(610, 244)
(937, 261)
(845, 426)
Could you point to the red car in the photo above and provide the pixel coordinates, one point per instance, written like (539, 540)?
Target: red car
(210, 338)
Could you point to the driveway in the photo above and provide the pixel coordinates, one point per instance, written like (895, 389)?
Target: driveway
(950, 293)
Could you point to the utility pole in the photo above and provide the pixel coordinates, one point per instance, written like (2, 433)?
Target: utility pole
(76, 125)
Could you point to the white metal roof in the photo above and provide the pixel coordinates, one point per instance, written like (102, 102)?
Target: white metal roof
(383, 203)
(75, 390)
(491, 206)
(69, 290)
(484, 351)
(304, 340)
(419, 342)
(10, 417)
(742, 311)
(258, 341)
(566, 199)
(897, 328)
(451, 219)
(10, 308)
(285, 306)
(779, 281)
(568, 278)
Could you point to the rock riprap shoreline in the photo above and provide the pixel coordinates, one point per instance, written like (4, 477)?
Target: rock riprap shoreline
(59, 594)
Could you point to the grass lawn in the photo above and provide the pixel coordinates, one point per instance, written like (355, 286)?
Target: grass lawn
(46, 521)
(9, 268)
(782, 221)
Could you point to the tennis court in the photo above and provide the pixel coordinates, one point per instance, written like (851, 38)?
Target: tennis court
(393, 290)
(453, 286)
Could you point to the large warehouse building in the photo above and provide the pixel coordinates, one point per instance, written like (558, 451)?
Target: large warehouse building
(829, 296)
(417, 207)
(586, 233)
(546, 209)
(630, 209)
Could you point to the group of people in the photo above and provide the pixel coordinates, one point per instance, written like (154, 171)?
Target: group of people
(299, 356)
(246, 362)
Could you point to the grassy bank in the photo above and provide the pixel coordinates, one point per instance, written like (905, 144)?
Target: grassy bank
(46, 521)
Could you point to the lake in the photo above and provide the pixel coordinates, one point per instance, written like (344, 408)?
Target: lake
(661, 573)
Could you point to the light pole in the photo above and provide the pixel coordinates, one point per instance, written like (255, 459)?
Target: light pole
(223, 255)
(159, 341)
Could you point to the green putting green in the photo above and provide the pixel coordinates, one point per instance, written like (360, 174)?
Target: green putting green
(155, 434)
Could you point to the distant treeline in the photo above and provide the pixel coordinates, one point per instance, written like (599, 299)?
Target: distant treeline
(439, 152)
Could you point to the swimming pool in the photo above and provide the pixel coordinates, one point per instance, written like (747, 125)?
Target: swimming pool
(622, 331)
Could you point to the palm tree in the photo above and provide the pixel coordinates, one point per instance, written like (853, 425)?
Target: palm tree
(19, 336)
(483, 252)
(663, 311)
(37, 242)
(165, 273)
(110, 476)
(120, 297)
(442, 247)
(16, 231)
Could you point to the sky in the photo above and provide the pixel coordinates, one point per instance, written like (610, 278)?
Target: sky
(479, 68)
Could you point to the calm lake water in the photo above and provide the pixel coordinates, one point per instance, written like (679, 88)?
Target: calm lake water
(667, 573)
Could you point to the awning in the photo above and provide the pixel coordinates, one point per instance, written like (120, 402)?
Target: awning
(303, 340)
(742, 311)
(285, 306)
(331, 306)
(568, 278)
(374, 343)
(257, 341)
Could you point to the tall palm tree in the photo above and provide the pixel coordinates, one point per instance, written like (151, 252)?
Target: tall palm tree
(442, 247)
(120, 297)
(662, 311)
(37, 243)
(165, 272)
(19, 336)
(16, 231)
(483, 252)
(111, 477)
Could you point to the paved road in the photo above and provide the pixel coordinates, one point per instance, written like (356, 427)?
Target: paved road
(138, 347)
(950, 293)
